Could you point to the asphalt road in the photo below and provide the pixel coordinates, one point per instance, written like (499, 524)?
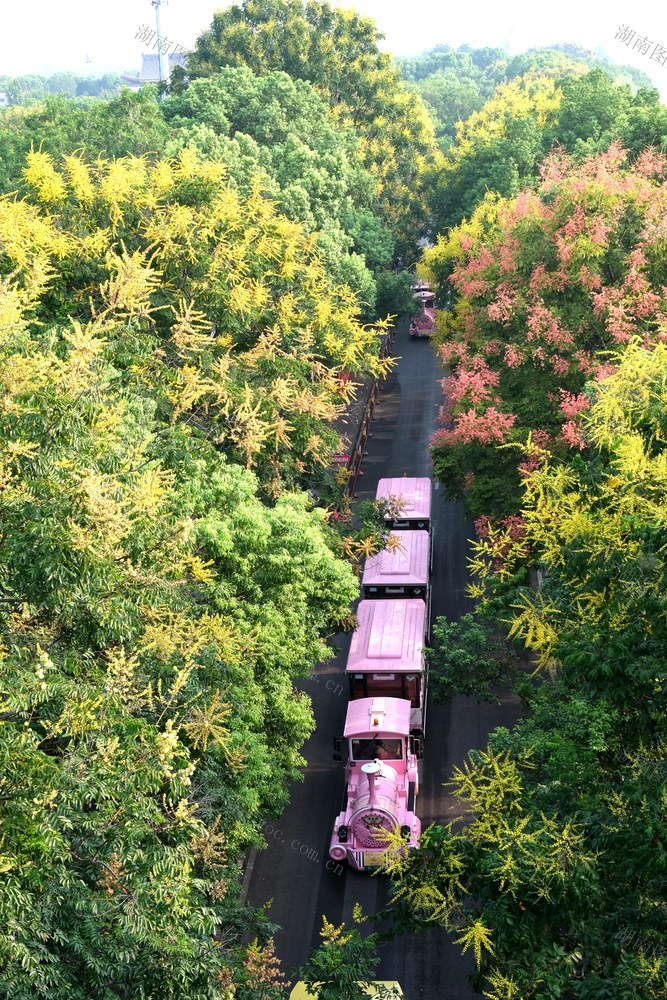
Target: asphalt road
(295, 873)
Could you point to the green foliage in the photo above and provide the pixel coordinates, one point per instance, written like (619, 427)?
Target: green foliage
(453, 98)
(27, 89)
(155, 610)
(558, 875)
(468, 657)
(336, 51)
(593, 112)
(496, 149)
(130, 124)
(394, 294)
(455, 83)
(343, 965)
(293, 137)
(254, 330)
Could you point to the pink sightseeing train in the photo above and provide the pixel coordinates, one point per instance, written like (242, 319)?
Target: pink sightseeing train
(422, 323)
(387, 674)
(401, 570)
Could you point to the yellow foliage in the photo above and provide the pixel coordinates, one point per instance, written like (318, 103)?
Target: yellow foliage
(522, 98)
(132, 283)
(79, 179)
(41, 175)
(533, 626)
(477, 937)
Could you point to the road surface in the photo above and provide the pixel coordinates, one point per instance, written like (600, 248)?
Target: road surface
(295, 872)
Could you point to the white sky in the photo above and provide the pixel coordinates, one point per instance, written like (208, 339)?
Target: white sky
(44, 36)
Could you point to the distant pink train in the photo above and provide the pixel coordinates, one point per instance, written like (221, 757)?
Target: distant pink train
(387, 674)
(422, 323)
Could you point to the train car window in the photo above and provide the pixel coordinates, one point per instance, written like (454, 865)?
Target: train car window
(385, 686)
(382, 749)
(358, 688)
(411, 689)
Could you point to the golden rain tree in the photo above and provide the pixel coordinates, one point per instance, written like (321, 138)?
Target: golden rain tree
(240, 333)
(154, 611)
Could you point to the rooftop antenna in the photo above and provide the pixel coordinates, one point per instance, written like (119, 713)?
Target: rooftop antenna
(163, 59)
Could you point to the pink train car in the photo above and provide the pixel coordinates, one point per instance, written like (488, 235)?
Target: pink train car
(381, 783)
(411, 499)
(387, 655)
(401, 571)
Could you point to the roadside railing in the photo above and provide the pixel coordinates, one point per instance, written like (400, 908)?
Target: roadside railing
(357, 450)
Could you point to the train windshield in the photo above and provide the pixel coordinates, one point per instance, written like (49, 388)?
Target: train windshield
(382, 749)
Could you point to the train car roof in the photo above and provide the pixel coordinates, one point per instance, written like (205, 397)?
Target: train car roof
(415, 493)
(390, 636)
(377, 716)
(406, 563)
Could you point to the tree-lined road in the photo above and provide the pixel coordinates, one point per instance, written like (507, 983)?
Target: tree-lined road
(294, 872)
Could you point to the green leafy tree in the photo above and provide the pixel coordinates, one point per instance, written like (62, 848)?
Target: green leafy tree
(342, 967)
(593, 112)
(62, 83)
(130, 124)
(280, 129)
(453, 98)
(255, 331)
(154, 615)
(338, 53)
(496, 149)
(25, 89)
(557, 878)
(394, 293)
(296, 141)
(468, 657)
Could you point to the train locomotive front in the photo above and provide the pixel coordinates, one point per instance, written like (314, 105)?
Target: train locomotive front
(381, 784)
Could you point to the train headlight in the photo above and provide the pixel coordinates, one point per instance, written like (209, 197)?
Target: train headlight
(338, 853)
(405, 832)
(342, 834)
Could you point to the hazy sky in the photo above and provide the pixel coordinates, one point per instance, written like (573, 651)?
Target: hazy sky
(43, 36)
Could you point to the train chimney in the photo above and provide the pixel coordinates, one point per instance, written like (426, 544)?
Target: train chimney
(373, 771)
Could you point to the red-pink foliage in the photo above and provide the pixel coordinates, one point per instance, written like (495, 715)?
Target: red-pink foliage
(572, 404)
(513, 356)
(559, 309)
(489, 427)
(502, 308)
(651, 163)
(572, 435)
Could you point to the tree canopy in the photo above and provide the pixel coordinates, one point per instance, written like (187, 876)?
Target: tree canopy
(337, 51)
(158, 596)
(281, 130)
(545, 284)
(556, 880)
(254, 330)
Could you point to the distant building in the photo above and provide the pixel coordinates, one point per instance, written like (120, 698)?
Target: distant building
(4, 99)
(150, 69)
